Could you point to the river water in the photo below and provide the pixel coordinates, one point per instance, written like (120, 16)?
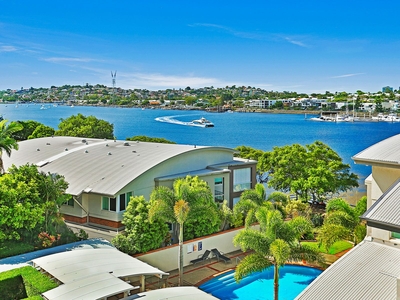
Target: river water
(258, 130)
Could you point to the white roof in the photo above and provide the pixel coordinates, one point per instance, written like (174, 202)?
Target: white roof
(103, 166)
(92, 287)
(369, 271)
(74, 265)
(92, 273)
(386, 210)
(176, 293)
(384, 152)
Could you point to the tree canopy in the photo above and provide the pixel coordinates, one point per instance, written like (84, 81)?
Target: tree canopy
(140, 234)
(143, 138)
(82, 126)
(29, 202)
(7, 141)
(314, 171)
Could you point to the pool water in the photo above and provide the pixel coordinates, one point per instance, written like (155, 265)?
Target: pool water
(293, 279)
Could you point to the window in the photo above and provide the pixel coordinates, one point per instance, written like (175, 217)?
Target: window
(109, 204)
(70, 202)
(219, 189)
(235, 200)
(241, 179)
(395, 235)
(116, 204)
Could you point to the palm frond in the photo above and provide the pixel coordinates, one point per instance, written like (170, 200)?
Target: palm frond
(251, 263)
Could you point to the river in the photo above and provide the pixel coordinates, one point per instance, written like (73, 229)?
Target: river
(258, 130)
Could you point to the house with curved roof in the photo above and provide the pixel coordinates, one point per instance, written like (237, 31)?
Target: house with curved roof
(104, 174)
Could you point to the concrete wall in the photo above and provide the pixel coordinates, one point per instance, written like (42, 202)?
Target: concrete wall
(166, 259)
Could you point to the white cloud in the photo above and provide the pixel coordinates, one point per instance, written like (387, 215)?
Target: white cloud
(347, 75)
(67, 59)
(7, 49)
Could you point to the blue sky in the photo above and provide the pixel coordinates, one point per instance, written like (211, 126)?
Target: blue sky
(303, 46)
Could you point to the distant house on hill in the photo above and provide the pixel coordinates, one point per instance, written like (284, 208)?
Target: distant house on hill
(371, 270)
(104, 174)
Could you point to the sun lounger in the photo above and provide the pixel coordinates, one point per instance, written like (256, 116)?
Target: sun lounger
(202, 257)
(219, 255)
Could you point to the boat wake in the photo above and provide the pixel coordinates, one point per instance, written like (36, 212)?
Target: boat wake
(202, 122)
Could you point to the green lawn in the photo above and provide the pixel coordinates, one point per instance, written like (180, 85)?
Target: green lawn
(27, 281)
(334, 249)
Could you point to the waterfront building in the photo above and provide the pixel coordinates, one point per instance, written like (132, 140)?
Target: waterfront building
(104, 174)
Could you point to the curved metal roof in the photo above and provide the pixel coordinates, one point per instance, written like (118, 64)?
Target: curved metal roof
(96, 165)
(384, 152)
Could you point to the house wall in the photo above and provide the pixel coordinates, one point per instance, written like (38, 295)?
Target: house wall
(166, 259)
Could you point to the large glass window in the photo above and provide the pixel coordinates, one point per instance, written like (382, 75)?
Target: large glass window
(219, 189)
(241, 179)
(116, 204)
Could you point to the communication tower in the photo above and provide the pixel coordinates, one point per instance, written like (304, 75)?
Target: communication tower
(114, 77)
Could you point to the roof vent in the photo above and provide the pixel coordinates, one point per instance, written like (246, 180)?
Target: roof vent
(126, 144)
(134, 151)
(83, 141)
(106, 145)
(66, 149)
(109, 153)
(37, 149)
(86, 151)
(87, 143)
(47, 144)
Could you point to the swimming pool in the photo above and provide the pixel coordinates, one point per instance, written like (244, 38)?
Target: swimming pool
(293, 279)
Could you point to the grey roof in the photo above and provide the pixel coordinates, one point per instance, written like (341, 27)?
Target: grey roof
(384, 152)
(95, 165)
(368, 271)
(386, 210)
(175, 293)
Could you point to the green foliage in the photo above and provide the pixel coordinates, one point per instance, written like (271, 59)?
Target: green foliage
(7, 141)
(274, 244)
(11, 248)
(203, 218)
(82, 126)
(28, 127)
(140, 234)
(143, 138)
(226, 215)
(311, 172)
(342, 222)
(35, 282)
(335, 248)
(29, 202)
(295, 208)
(42, 131)
(13, 288)
(278, 197)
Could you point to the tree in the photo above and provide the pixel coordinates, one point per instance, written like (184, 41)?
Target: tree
(28, 127)
(202, 210)
(311, 172)
(7, 142)
(143, 138)
(140, 234)
(29, 202)
(42, 131)
(276, 243)
(82, 126)
(343, 222)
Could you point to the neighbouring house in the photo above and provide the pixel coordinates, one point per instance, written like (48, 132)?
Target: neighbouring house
(371, 270)
(104, 174)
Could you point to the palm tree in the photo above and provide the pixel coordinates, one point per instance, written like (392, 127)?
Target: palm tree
(7, 143)
(185, 202)
(343, 222)
(276, 243)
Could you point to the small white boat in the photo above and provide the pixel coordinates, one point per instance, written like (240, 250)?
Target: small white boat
(202, 122)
